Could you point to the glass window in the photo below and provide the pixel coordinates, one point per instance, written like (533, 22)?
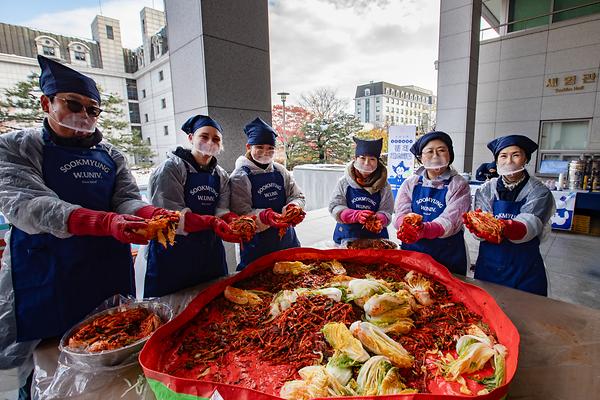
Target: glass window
(136, 131)
(166, 130)
(79, 55)
(145, 117)
(564, 135)
(367, 109)
(367, 92)
(109, 32)
(578, 12)
(48, 51)
(132, 93)
(163, 103)
(144, 93)
(161, 75)
(522, 9)
(134, 113)
(561, 141)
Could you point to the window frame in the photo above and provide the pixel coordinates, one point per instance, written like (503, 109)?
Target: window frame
(110, 32)
(540, 153)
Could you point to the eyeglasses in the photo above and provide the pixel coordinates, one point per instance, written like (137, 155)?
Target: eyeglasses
(76, 107)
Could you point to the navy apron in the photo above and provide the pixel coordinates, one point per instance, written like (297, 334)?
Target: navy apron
(195, 258)
(268, 191)
(359, 199)
(57, 282)
(450, 251)
(519, 266)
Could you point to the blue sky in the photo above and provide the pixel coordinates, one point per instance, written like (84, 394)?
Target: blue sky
(379, 40)
(13, 14)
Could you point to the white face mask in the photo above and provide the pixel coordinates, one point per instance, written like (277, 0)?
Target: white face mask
(262, 156)
(435, 164)
(509, 169)
(364, 168)
(209, 148)
(76, 122)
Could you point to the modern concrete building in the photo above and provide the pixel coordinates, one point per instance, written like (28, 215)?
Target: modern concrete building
(538, 78)
(384, 104)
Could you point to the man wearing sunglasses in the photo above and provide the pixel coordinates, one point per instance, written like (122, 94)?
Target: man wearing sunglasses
(74, 208)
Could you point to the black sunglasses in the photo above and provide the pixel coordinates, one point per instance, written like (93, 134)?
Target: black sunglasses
(76, 107)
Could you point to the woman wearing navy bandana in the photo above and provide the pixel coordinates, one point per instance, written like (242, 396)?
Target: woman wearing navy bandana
(262, 187)
(441, 197)
(362, 192)
(192, 182)
(524, 205)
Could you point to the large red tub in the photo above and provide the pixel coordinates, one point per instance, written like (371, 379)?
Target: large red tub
(477, 300)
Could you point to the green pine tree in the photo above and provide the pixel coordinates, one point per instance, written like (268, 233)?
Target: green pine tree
(114, 128)
(20, 108)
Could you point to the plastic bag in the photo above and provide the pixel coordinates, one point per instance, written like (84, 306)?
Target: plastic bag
(60, 374)
(60, 379)
(13, 355)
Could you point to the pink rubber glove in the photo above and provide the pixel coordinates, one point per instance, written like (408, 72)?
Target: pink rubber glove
(86, 222)
(398, 222)
(350, 216)
(409, 234)
(269, 217)
(513, 230)
(382, 218)
(431, 230)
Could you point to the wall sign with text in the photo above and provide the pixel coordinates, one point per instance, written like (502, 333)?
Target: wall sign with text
(565, 83)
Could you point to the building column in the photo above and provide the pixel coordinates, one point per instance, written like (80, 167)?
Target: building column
(458, 63)
(220, 65)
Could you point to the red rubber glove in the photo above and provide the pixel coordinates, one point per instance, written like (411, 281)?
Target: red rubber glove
(195, 222)
(269, 217)
(149, 211)
(350, 216)
(223, 230)
(513, 230)
(86, 222)
(229, 217)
